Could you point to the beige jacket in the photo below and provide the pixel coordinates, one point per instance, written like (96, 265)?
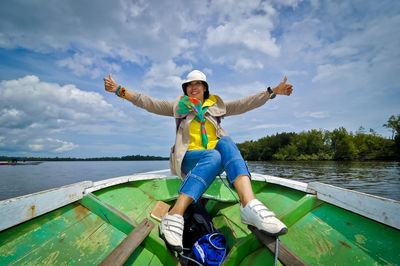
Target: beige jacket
(182, 139)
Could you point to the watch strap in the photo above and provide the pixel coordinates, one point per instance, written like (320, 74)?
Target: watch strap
(271, 93)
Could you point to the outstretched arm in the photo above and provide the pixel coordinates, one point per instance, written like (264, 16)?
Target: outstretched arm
(251, 102)
(160, 107)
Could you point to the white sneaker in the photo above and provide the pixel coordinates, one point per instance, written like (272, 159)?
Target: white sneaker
(171, 230)
(256, 214)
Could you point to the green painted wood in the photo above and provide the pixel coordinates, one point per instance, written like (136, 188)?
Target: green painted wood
(67, 234)
(285, 255)
(218, 191)
(319, 233)
(125, 249)
(242, 249)
(132, 202)
(142, 256)
(161, 189)
(19, 240)
(305, 205)
(108, 213)
(166, 189)
(121, 221)
(129, 200)
(329, 234)
(229, 222)
(85, 243)
(279, 199)
(259, 257)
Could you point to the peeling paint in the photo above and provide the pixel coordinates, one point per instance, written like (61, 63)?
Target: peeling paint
(228, 222)
(50, 259)
(73, 196)
(344, 244)
(361, 239)
(33, 207)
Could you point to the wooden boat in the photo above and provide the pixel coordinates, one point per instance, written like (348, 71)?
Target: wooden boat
(85, 222)
(20, 163)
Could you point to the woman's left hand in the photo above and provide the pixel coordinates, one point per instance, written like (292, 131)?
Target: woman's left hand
(283, 88)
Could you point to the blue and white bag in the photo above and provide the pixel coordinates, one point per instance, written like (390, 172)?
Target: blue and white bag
(210, 249)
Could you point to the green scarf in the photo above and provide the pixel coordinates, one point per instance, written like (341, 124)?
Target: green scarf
(187, 104)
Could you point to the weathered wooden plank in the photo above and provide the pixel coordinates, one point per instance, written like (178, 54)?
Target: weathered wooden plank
(285, 255)
(376, 208)
(122, 252)
(20, 209)
(83, 243)
(302, 207)
(118, 219)
(108, 213)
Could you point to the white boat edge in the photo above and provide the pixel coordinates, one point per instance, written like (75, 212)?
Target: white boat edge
(20, 209)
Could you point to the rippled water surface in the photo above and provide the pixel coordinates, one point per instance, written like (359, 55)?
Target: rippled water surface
(377, 178)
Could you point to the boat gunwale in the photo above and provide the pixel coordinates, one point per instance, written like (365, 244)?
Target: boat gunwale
(74, 192)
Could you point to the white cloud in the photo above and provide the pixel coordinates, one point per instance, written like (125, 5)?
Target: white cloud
(265, 126)
(343, 51)
(291, 73)
(246, 64)
(36, 147)
(334, 53)
(2, 141)
(165, 75)
(84, 65)
(51, 144)
(30, 108)
(242, 34)
(235, 91)
(137, 32)
(331, 72)
(308, 114)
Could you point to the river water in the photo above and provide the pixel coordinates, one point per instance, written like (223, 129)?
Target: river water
(377, 178)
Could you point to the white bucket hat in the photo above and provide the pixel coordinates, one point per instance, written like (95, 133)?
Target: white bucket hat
(195, 75)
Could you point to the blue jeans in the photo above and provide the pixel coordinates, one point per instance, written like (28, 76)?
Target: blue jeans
(202, 166)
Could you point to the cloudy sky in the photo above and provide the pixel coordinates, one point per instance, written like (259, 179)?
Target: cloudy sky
(343, 58)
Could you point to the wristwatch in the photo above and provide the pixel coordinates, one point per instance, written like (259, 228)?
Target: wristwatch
(271, 93)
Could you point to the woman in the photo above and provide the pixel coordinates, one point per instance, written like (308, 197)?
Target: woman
(203, 149)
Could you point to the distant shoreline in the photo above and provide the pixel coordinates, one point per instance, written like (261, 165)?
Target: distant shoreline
(123, 158)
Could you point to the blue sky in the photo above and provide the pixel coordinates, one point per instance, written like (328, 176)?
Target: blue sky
(342, 57)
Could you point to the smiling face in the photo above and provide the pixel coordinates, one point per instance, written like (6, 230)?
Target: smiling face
(196, 89)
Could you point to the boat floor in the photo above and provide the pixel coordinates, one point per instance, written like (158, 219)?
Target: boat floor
(85, 232)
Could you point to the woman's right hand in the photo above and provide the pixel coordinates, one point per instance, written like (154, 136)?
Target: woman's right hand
(110, 84)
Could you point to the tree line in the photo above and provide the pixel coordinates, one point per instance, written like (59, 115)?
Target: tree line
(338, 144)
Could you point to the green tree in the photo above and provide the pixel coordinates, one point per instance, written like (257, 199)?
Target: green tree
(343, 145)
(271, 145)
(250, 150)
(288, 153)
(372, 146)
(394, 124)
(312, 145)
